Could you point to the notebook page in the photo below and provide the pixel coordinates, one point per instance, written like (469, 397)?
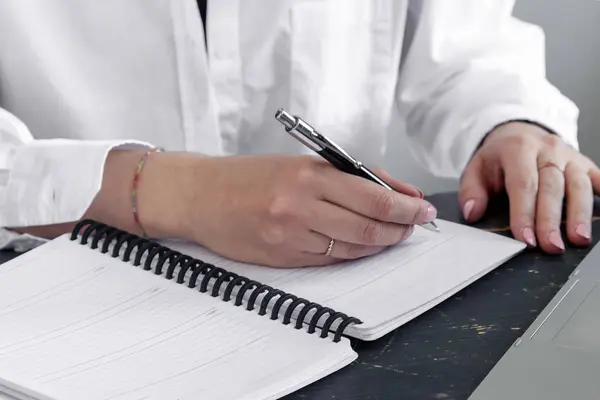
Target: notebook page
(78, 324)
(394, 283)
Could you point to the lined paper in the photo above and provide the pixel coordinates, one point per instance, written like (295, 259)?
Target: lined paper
(392, 287)
(77, 324)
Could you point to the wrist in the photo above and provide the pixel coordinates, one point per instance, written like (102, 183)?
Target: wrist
(158, 193)
(523, 126)
(161, 195)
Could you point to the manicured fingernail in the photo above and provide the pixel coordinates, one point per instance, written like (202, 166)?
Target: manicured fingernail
(431, 213)
(421, 195)
(556, 240)
(467, 208)
(583, 230)
(529, 236)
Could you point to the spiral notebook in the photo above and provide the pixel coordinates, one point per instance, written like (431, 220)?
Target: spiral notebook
(104, 314)
(391, 288)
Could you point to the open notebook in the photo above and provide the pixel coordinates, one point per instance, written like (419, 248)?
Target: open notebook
(100, 314)
(391, 288)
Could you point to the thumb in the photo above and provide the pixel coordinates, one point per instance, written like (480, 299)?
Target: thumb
(473, 194)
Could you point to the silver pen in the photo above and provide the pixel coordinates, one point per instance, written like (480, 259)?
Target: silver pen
(331, 152)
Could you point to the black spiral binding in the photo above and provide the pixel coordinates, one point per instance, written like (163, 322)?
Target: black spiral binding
(172, 260)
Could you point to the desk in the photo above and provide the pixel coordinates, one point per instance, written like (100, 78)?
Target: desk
(446, 352)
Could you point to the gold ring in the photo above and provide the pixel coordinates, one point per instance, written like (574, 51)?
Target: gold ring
(550, 164)
(330, 247)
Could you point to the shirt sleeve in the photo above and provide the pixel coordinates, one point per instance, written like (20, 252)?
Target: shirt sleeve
(45, 182)
(469, 66)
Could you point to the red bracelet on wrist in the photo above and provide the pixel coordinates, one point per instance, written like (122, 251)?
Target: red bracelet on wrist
(136, 179)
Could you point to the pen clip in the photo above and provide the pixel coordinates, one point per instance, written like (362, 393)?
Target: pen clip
(308, 140)
(306, 134)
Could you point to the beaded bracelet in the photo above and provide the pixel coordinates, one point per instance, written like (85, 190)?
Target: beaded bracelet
(134, 190)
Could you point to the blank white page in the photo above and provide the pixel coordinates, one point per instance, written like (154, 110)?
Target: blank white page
(78, 324)
(382, 290)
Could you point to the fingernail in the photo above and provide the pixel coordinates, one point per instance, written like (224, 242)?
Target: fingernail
(468, 207)
(556, 240)
(421, 195)
(583, 230)
(529, 236)
(431, 213)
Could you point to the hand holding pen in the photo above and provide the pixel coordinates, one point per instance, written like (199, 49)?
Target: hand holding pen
(338, 157)
(280, 210)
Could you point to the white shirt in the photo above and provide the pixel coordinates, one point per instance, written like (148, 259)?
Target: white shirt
(78, 78)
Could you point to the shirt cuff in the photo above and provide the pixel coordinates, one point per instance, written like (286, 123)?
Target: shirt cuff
(55, 181)
(564, 126)
(19, 242)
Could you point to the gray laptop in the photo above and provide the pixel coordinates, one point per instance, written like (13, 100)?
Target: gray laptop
(558, 357)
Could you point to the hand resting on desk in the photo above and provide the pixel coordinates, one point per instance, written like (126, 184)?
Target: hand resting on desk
(539, 172)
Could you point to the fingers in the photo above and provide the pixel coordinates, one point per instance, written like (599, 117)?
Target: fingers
(549, 207)
(373, 201)
(473, 192)
(347, 226)
(399, 186)
(521, 182)
(580, 205)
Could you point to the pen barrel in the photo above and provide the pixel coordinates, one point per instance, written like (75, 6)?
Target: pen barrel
(340, 163)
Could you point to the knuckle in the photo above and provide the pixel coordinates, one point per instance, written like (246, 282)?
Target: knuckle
(384, 205)
(307, 174)
(371, 232)
(577, 179)
(526, 183)
(579, 185)
(520, 141)
(273, 234)
(282, 207)
(549, 187)
(552, 141)
(413, 211)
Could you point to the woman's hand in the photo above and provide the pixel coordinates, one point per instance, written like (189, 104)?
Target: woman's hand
(538, 170)
(282, 211)
(279, 211)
